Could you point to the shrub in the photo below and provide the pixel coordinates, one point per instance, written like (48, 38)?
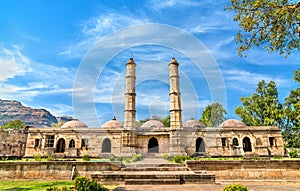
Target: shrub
(277, 156)
(137, 157)
(37, 157)
(86, 157)
(293, 153)
(49, 158)
(181, 159)
(57, 189)
(166, 156)
(235, 187)
(84, 184)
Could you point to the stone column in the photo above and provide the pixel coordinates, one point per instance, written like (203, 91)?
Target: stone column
(176, 132)
(175, 104)
(129, 134)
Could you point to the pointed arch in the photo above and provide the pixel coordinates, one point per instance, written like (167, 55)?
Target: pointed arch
(106, 146)
(72, 143)
(200, 145)
(153, 146)
(61, 145)
(247, 144)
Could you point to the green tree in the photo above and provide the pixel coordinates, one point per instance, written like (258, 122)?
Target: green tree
(291, 130)
(16, 124)
(262, 107)
(165, 120)
(213, 115)
(272, 24)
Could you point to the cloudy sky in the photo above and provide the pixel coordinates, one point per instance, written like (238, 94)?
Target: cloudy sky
(69, 57)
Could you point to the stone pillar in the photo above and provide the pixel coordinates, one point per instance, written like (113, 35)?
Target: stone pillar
(175, 104)
(129, 133)
(176, 132)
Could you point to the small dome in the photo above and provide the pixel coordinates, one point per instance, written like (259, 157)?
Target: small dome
(193, 123)
(151, 124)
(75, 123)
(112, 124)
(232, 123)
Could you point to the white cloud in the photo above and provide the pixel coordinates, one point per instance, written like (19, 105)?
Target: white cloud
(160, 5)
(95, 28)
(243, 80)
(13, 63)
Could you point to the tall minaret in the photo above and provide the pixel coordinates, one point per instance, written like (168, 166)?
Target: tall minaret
(129, 109)
(129, 132)
(175, 105)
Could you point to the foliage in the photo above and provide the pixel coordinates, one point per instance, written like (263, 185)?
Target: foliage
(235, 187)
(16, 124)
(166, 156)
(57, 125)
(37, 157)
(58, 189)
(86, 157)
(84, 184)
(164, 120)
(294, 153)
(213, 115)
(131, 159)
(263, 107)
(291, 131)
(272, 24)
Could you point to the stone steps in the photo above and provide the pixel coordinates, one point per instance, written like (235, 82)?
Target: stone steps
(155, 177)
(156, 169)
(151, 181)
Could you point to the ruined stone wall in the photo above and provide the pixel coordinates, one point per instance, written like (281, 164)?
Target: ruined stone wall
(58, 170)
(12, 143)
(249, 169)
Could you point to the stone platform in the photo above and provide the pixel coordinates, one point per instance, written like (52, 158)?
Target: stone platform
(154, 171)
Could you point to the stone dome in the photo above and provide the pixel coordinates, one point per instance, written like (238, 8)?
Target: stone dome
(112, 124)
(193, 123)
(75, 123)
(151, 124)
(232, 123)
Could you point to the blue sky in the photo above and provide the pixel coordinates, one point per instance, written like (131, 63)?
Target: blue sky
(52, 56)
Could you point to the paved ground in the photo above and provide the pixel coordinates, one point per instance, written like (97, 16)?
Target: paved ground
(253, 186)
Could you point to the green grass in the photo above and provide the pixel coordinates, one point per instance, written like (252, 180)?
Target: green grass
(34, 185)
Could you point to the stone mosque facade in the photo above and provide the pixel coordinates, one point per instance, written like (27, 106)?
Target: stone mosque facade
(114, 138)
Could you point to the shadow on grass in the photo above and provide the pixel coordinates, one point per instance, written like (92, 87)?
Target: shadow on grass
(16, 189)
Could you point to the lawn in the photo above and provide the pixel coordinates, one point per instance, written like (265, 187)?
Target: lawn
(34, 185)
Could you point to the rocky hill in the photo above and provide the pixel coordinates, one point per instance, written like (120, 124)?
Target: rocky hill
(13, 110)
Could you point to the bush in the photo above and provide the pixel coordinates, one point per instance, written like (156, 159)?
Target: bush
(167, 156)
(37, 157)
(181, 159)
(235, 187)
(277, 156)
(86, 157)
(293, 153)
(84, 184)
(57, 189)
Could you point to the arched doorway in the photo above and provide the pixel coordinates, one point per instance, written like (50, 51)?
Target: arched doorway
(60, 146)
(153, 145)
(200, 145)
(247, 145)
(106, 146)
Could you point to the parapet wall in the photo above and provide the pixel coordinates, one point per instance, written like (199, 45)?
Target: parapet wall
(249, 169)
(58, 170)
